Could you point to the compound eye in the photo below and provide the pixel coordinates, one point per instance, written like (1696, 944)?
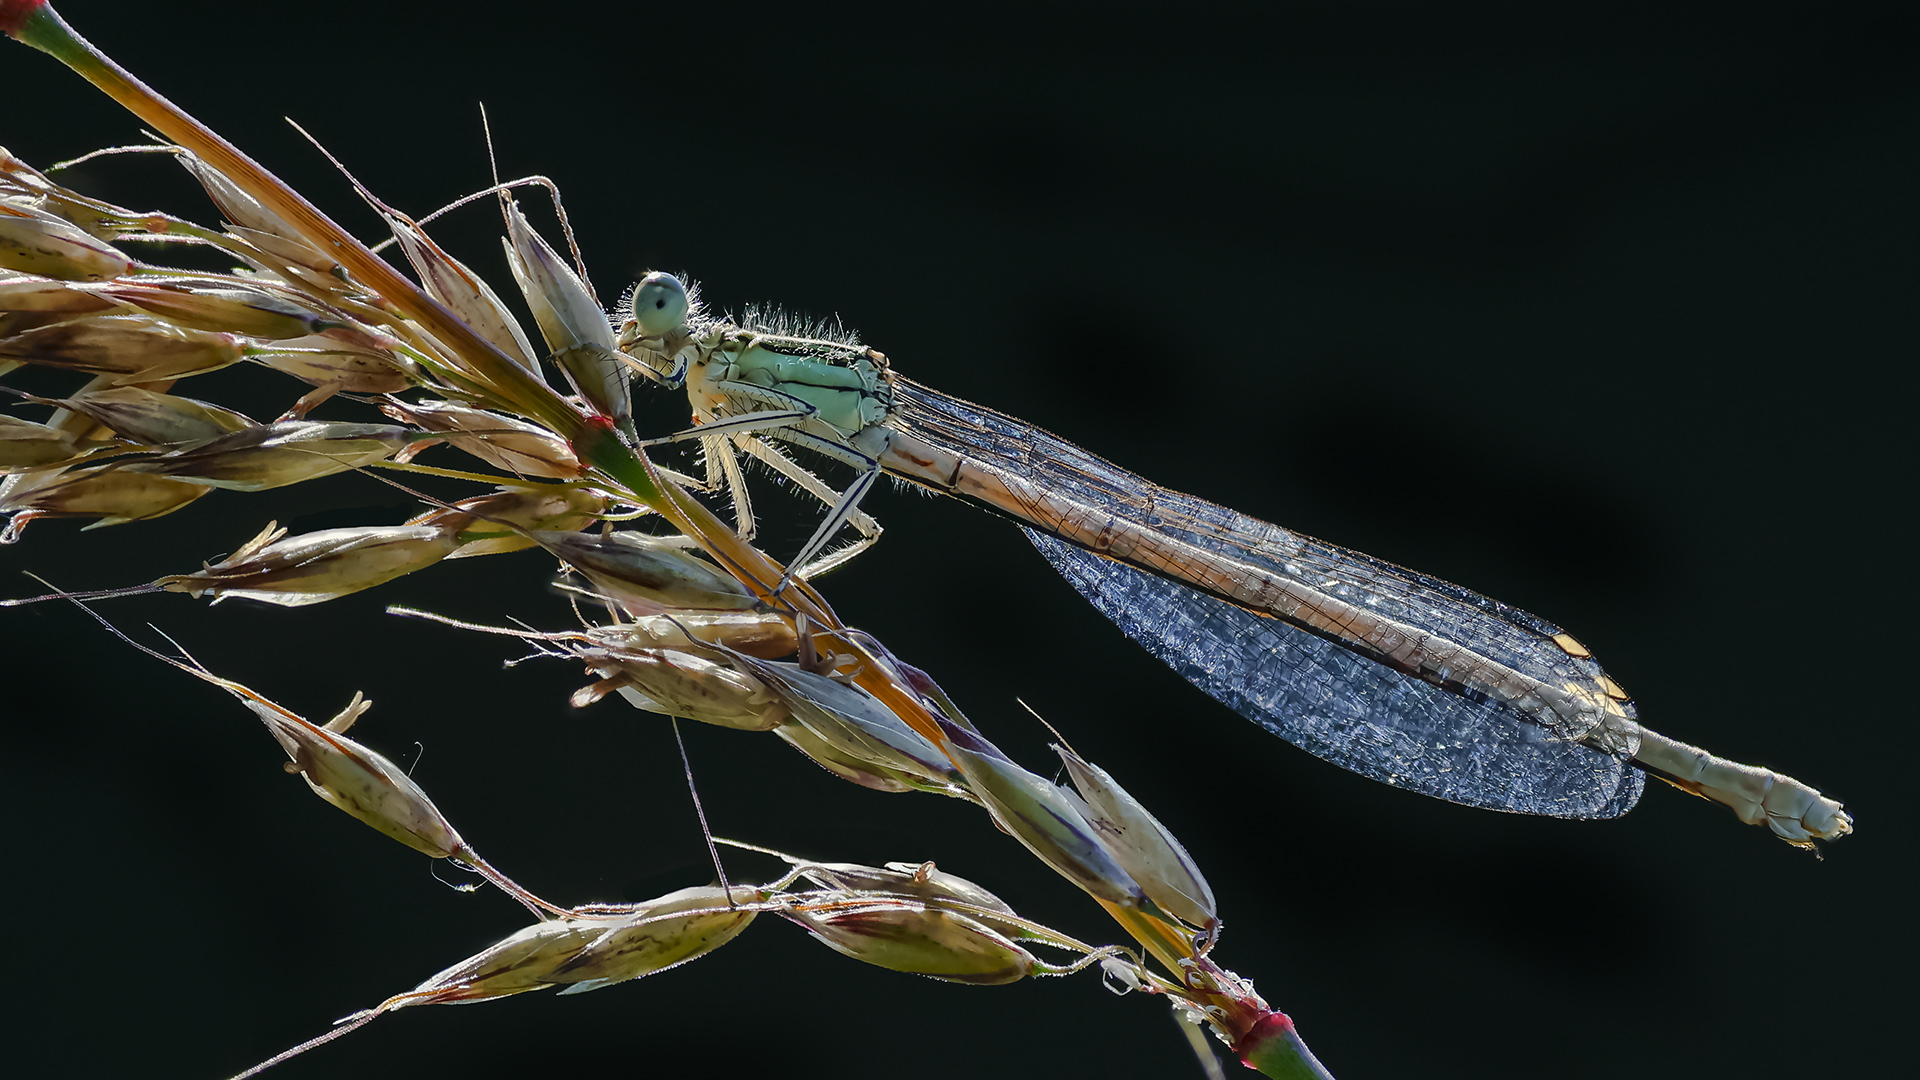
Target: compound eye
(659, 304)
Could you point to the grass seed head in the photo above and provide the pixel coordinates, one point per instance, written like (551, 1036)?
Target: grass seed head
(1142, 845)
(330, 360)
(660, 934)
(504, 442)
(844, 765)
(221, 307)
(515, 965)
(676, 683)
(128, 348)
(575, 327)
(1048, 820)
(766, 635)
(909, 937)
(295, 263)
(317, 566)
(23, 186)
(155, 419)
(914, 881)
(115, 496)
(48, 297)
(27, 445)
(563, 306)
(646, 575)
(360, 781)
(498, 523)
(465, 293)
(43, 244)
(252, 221)
(279, 454)
(863, 736)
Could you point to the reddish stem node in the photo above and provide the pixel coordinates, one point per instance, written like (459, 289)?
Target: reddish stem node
(15, 13)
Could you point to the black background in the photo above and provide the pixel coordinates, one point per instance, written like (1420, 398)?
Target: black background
(1600, 315)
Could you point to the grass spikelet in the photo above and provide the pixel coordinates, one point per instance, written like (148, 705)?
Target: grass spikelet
(129, 349)
(41, 244)
(316, 567)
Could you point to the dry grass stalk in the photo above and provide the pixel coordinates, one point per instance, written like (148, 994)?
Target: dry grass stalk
(863, 715)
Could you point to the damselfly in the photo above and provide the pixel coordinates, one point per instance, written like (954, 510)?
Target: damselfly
(1393, 674)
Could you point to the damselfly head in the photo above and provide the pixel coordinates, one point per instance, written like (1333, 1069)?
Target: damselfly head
(659, 304)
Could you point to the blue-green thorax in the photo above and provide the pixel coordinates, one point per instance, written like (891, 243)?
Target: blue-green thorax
(849, 386)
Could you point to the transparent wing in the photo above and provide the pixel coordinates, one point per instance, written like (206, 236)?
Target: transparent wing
(1387, 672)
(1347, 709)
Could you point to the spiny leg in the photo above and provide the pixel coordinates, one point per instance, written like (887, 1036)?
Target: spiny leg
(727, 425)
(844, 508)
(723, 467)
(784, 424)
(868, 528)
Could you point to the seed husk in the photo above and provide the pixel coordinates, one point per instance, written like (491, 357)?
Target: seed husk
(1143, 846)
(572, 322)
(27, 445)
(43, 244)
(465, 292)
(331, 360)
(221, 307)
(1044, 818)
(868, 743)
(845, 765)
(360, 781)
(115, 496)
(658, 936)
(47, 296)
(916, 881)
(766, 635)
(514, 965)
(499, 523)
(675, 683)
(934, 942)
(647, 575)
(151, 418)
(128, 348)
(278, 454)
(318, 566)
(504, 442)
(253, 221)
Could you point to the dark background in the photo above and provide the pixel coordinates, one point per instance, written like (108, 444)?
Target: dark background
(1598, 315)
